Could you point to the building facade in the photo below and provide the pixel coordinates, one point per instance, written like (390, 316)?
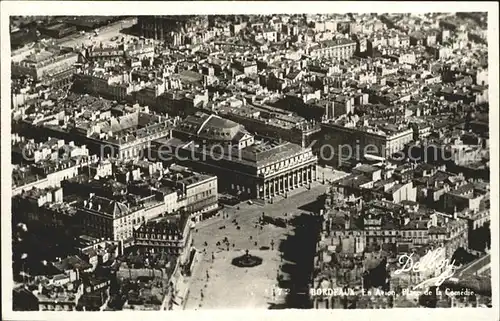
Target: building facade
(45, 65)
(169, 235)
(193, 193)
(101, 217)
(250, 169)
(342, 48)
(361, 141)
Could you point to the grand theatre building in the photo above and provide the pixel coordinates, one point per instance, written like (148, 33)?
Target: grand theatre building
(245, 165)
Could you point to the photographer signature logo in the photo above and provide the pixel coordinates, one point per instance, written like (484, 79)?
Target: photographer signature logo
(433, 262)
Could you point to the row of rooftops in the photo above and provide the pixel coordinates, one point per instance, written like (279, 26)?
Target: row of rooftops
(373, 220)
(199, 126)
(24, 175)
(268, 115)
(96, 120)
(393, 90)
(119, 201)
(425, 176)
(172, 179)
(172, 226)
(369, 125)
(398, 89)
(335, 43)
(45, 58)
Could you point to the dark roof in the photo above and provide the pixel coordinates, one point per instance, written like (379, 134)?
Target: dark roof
(268, 152)
(366, 168)
(167, 225)
(353, 180)
(71, 263)
(211, 127)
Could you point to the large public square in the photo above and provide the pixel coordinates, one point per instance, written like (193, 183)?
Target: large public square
(216, 282)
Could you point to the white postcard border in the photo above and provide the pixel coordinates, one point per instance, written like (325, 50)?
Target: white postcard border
(243, 7)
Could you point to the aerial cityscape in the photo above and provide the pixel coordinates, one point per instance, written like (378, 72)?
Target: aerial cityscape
(330, 161)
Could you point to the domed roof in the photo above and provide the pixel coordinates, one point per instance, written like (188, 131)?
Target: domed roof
(217, 128)
(221, 123)
(212, 127)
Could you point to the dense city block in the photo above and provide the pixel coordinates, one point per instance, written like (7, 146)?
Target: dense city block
(250, 161)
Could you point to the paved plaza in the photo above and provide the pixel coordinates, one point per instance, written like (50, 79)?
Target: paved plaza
(231, 286)
(247, 216)
(104, 36)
